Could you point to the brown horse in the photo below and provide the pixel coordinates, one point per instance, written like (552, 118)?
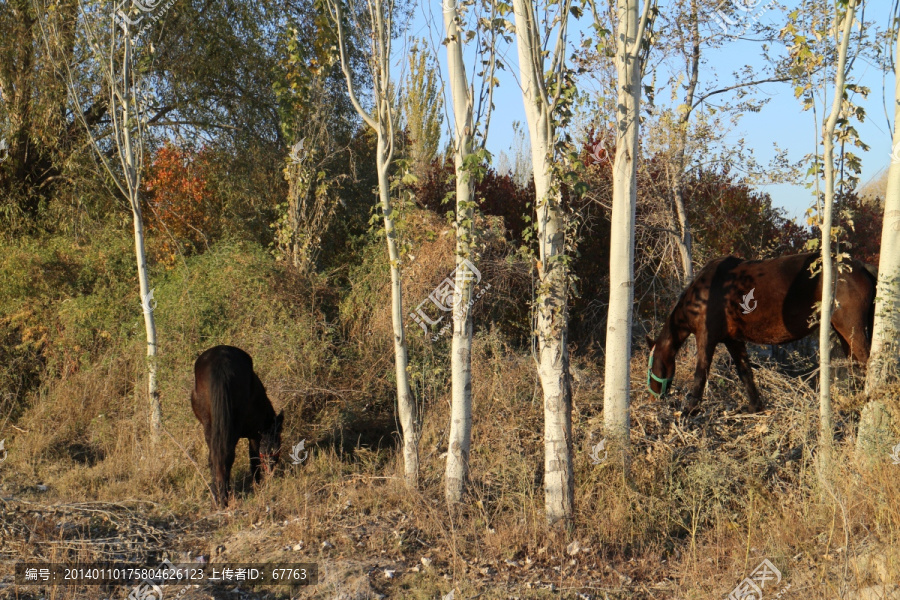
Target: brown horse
(734, 301)
(231, 403)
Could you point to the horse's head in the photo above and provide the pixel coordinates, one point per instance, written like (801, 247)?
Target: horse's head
(660, 370)
(270, 444)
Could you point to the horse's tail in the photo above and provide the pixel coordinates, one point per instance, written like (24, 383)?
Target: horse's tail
(220, 412)
(872, 273)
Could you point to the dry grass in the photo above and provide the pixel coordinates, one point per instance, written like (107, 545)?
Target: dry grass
(702, 506)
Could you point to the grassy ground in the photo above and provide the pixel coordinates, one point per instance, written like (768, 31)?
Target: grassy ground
(703, 505)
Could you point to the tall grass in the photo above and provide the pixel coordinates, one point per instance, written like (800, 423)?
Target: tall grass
(700, 508)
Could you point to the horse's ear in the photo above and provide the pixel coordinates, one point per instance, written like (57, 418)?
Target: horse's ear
(279, 421)
(650, 343)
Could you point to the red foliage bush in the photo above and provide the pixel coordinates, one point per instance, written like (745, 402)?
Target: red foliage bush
(179, 204)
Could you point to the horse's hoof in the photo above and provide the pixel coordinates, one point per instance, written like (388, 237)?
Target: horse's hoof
(690, 410)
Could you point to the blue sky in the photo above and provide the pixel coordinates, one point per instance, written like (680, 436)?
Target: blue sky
(781, 120)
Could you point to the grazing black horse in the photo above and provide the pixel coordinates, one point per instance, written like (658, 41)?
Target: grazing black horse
(231, 403)
(734, 301)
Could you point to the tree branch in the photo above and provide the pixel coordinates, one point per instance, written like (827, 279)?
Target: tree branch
(704, 97)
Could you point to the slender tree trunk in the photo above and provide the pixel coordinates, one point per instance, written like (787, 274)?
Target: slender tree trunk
(552, 294)
(461, 345)
(406, 404)
(685, 241)
(616, 393)
(149, 322)
(129, 153)
(883, 359)
(383, 126)
(826, 435)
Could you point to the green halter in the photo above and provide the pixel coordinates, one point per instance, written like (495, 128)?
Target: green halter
(661, 380)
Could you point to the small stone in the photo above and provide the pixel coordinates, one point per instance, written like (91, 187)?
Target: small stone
(326, 545)
(426, 562)
(389, 573)
(297, 547)
(573, 548)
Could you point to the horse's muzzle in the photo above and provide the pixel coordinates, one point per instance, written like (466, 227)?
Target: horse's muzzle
(265, 460)
(663, 381)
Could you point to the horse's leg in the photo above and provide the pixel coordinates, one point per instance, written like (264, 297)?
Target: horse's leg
(738, 351)
(853, 342)
(705, 351)
(213, 471)
(254, 459)
(852, 328)
(223, 472)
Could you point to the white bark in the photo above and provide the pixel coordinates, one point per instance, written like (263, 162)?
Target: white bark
(684, 242)
(826, 436)
(617, 382)
(883, 358)
(130, 153)
(552, 314)
(383, 124)
(126, 128)
(406, 405)
(461, 346)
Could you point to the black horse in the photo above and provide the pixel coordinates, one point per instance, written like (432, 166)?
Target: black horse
(231, 403)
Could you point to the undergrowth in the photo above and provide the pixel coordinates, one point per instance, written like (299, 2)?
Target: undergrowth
(696, 510)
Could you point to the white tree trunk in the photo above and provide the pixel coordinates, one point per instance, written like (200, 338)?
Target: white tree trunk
(875, 423)
(461, 346)
(406, 405)
(552, 295)
(826, 435)
(149, 323)
(684, 239)
(126, 126)
(128, 154)
(383, 126)
(883, 358)
(617, 382)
